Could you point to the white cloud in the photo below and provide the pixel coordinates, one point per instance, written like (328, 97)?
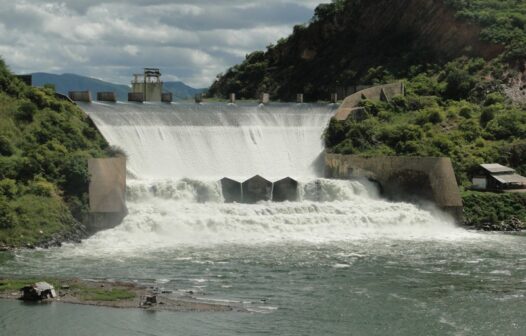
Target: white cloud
(190, 40)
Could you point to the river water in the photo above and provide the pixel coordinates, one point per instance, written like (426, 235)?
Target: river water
(339, 261)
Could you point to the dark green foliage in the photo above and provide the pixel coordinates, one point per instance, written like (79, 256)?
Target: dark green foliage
(470, 128)
(44, 146)
(26, 112)
(504, 22)
(491, 211)
(345, 44)
(6, 147)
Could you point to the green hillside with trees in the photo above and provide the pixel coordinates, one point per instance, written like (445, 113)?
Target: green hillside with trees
(44, 146)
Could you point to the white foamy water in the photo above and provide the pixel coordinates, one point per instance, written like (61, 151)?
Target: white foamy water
(173, 214)
(214, 141)
(178, 153)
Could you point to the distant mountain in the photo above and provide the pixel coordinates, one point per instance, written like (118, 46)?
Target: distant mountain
(72, 82)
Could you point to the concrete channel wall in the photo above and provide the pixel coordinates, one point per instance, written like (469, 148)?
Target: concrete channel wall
(380, 92)
(403, 178)
(107, 192)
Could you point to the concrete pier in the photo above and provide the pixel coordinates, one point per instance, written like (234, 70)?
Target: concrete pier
(265, 98)
(285, 190)
(232, 192)
(80, 96)
(299, 98)
(167, 97)
(256, 189)
(198, 98)
(232, 98)
(334, 98)
(107, 96)
(137, 97)
(430, 179)
(107, 193)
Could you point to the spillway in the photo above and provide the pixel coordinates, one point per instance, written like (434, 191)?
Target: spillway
(178, 153)
(217, 140)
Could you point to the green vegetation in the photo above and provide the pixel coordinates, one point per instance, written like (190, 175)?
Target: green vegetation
(455, 74)
(44, 146)
(452, 111)
(490, 211)
(13, 285)
(85, 291)
(503, 22)
(102, 294)
(343, 46)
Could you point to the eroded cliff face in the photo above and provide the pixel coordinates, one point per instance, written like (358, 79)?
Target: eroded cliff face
(339, 50)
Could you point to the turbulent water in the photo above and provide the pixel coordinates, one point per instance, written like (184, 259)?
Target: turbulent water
(339, 261)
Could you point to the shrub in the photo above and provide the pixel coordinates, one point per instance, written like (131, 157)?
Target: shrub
(7, 215)
(8, 188)
(26, 112)
(41, 187)
(6, 147)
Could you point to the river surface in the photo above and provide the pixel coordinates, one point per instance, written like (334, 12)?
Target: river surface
(474, 285)
(338, 261)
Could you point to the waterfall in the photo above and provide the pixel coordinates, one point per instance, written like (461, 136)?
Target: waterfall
(177, 154)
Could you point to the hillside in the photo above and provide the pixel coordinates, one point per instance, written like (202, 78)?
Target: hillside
(44, 147)
(71, 82)
(350, 42)
(464, 68)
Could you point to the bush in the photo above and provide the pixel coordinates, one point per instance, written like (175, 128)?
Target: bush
(7, 215)
(6, 147)
(8, 188)
(26, 112)
(507, 125)
(487, 115)
(489, 211)
(41, 187)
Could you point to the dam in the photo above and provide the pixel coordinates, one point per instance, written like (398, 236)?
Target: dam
(332, 258)
(178, 154)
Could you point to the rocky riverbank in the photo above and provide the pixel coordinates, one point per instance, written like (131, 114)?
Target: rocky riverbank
(115, 294)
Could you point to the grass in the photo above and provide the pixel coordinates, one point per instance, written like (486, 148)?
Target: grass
(84, 291)
(100, 294)
(10, 285)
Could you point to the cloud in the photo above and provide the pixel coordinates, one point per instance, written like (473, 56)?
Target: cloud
(191, 40)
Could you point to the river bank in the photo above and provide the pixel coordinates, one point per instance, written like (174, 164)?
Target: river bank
(494, 211)
(115, 294)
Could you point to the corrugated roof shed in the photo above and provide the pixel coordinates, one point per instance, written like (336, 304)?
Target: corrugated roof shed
(510, 179)
(495, 168)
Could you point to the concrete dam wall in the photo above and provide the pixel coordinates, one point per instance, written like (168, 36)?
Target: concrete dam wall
(107, 192)
(403, 178)
(380, 92)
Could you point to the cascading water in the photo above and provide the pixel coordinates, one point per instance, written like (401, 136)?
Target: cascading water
(177, 153)
(214, 141)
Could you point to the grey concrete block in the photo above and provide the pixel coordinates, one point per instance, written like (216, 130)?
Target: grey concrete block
(137, 97)
(256, 189)
(80, 96)
(231, 189)
(107, 96)
(285, 190)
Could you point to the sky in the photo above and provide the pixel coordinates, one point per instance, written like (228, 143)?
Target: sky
(191, 41)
